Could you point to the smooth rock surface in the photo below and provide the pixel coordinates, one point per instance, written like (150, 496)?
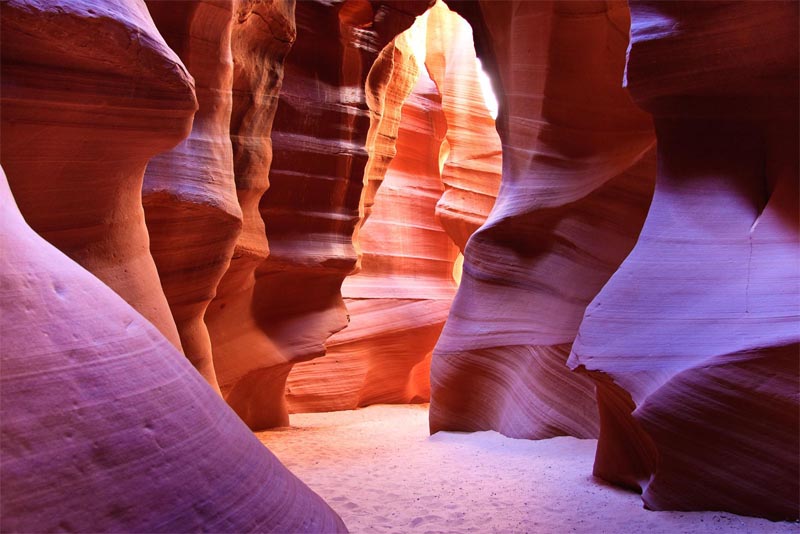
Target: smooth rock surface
(106, 427)
(189, 194)
(281, 299)
(90, 92)
(695, 341)
(577, 180)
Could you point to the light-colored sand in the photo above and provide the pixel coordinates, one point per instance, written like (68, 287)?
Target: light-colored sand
(379, 469)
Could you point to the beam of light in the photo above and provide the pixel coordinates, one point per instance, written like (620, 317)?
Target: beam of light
(488, 93)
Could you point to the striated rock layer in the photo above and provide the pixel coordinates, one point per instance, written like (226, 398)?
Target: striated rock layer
(434, 165)
(398, 302)
(278, 303)
(577, 181)
(261, 36)
(694, 342)
(106, 427)
(189, 193)
(90, 92)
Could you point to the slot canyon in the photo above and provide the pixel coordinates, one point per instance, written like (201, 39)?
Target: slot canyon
(425, 266)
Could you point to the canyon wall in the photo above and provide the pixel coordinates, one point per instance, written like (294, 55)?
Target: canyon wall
(281, 306)
(189, 194)
(431, 178)
(107, 427)
(578, 172)
(694, 342)
(90, 93)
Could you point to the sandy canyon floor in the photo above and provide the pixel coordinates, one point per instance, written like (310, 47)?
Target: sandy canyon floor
(382, 472)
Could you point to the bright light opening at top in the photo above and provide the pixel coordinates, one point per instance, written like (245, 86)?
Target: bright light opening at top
(488, 93)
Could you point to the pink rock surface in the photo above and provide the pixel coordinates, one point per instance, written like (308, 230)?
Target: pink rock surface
(91, 92)
(189, 194)
(694, 341)
(577, 180)
(107, 428)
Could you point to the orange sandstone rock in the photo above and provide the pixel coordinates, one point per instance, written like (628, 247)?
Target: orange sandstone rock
(577, 181)
(107, 428)
(398, 301)
(278, 303)
(189, 193)
(90, 92)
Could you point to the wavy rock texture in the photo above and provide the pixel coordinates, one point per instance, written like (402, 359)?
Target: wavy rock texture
(694, 342)
(473, 164)
(577, 181)
(106, 427)
(271, 314)
(261, 36)
(416, 188)
(399, 300)
(90, 93)
(189, 193)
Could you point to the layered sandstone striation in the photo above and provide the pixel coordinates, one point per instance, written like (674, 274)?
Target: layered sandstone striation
(434, 166)
(281, 300)
(577, 181)
(261, 37)
(189, 194)
(106, 427)
(694, 341)
(90, 92)
(398, 301)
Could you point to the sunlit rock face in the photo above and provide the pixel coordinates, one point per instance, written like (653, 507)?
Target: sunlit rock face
(434, 169)
(399, 300)
(90, 92)
(694, 342)
(189, 194)
(280, 301)
(577, 181)
(106, 427)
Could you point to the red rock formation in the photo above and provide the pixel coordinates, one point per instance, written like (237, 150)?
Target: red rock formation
(189, 193)
(473, 162)
(262, 35)
(261, 326)
(106, 427)
(694, 342)
(398, 301)
(576, 185)
(90, 93)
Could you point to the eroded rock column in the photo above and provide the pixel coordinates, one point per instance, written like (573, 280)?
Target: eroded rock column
(91, 92)
(189, 193)
(577, 180)
(271, 314)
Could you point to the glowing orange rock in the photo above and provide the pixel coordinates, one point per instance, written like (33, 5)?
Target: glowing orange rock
(417, 187)
(107, 428)
(398, 302)
(577, 182)
(278, 303)
(189, 193)
(694, 341)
